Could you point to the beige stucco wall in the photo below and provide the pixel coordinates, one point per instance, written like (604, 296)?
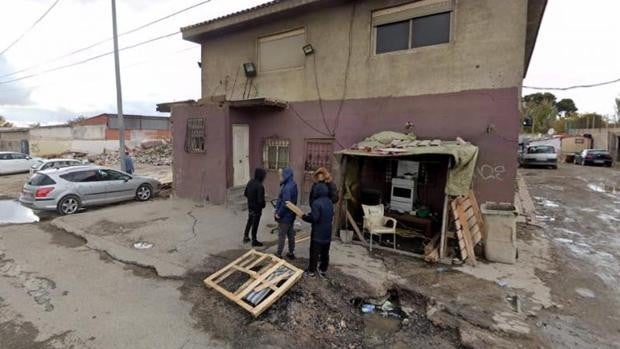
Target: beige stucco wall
(486, 51)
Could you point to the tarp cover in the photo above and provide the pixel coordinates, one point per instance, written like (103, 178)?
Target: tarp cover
(464, 155)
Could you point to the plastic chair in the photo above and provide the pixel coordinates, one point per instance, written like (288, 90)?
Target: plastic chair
(377, 224)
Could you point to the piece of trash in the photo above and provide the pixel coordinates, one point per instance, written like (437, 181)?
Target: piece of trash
(585, 293)
(515, 302)
(368, 308)
(387, 306)
(141, 245)
(502, 282)
(441, 269)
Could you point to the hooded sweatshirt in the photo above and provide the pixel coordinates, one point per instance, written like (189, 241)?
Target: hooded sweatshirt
(255, 191)
(322, 215)
(288, 192)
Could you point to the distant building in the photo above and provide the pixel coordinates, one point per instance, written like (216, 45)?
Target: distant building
(93, 135)
(288, 82)
(15, 139)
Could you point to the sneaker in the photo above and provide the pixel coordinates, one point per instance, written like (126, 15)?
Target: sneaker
(322, 274)
(290, 256)
(278, 255)
(257, 244)
(246, 240)
(309, 274)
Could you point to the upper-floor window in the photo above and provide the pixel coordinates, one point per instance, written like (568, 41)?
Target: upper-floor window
(281, 51)
(413, 25)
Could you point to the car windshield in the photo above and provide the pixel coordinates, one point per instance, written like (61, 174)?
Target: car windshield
(597, 151)
(541, 149)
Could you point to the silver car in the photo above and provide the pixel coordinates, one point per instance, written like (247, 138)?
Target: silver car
(68, 189)
(54, 163)
(539, 155)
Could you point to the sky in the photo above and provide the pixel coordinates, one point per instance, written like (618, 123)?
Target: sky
(577, 44)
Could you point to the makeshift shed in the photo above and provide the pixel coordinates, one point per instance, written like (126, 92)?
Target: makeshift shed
(412, 181)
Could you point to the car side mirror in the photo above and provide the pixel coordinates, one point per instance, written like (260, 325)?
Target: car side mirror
(126, 179)
(28, 158)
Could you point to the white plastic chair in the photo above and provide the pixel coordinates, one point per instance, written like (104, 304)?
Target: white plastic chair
(376, 223)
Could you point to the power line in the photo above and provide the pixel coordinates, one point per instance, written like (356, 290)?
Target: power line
(123, 68)
(88, 59)
(85, 48)
(30, 28)
(574, 86)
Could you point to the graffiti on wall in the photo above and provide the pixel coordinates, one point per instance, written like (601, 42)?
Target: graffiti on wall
(488, 172)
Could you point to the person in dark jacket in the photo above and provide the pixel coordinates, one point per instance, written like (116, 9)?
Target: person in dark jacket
(128, 163)
(255, 193)
(284, 216)
(322, 175)
(321, 216)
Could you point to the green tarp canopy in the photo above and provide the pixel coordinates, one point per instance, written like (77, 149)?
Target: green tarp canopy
(393, 144)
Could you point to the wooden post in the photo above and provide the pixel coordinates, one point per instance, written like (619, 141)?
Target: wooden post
(342, 170)
(444, 218)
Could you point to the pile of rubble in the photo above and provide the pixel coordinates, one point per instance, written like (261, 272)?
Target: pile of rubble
(157, 153)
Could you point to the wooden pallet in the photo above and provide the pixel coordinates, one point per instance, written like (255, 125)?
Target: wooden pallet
(269, 278)
(469, 225)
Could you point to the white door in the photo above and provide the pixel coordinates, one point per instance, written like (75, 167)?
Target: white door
(241, 154)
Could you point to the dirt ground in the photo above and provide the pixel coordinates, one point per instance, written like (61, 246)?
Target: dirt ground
(579, 212)
(315, 313)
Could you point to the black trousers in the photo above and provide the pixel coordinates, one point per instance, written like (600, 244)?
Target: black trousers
(319, 254)
(253, 222)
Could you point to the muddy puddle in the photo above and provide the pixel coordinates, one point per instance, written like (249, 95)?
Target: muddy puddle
(12, 212)
(604, 188)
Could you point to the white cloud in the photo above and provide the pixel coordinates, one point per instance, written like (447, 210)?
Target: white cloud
(161, 71)
(577, 44)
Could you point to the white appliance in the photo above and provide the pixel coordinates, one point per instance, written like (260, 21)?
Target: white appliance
(403, 194)
(407, 168)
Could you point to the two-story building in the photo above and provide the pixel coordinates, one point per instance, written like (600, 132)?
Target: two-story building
(288, 82)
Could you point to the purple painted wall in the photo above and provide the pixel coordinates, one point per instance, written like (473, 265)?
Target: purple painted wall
(201, 175)
(444, 116)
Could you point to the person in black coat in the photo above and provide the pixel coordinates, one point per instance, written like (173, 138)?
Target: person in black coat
(322, 176)
(255, 193)
(321, 216)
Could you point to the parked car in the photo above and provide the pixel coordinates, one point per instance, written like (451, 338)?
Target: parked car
(69, 189)
(12, 162)
(539, 155)
(54, 163)
(594, 157)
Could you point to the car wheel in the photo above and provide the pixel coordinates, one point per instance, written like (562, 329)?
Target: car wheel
(70, 204)
(144, 192)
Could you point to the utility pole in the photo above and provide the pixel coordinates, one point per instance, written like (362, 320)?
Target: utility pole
(119, 92)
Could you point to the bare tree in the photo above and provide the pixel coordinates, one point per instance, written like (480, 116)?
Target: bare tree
(4, 123)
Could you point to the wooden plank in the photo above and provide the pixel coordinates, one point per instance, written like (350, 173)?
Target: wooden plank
(259, 280)
(229, 266)
(459, 230)
(248, 263)
(273, 283)
(228, 295)
(291, 206)
(478, 212)
(266, 303)
(466, 237)
(356, 229)
(252, 273)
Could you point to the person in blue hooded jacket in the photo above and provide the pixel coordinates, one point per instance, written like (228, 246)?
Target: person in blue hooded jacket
(284, 216)
(321, 217)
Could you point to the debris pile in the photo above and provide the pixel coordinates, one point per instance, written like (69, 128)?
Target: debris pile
(157, 153)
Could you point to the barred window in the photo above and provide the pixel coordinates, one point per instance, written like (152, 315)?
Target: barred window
(276, 154)
(318, 154)
(195, 137)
